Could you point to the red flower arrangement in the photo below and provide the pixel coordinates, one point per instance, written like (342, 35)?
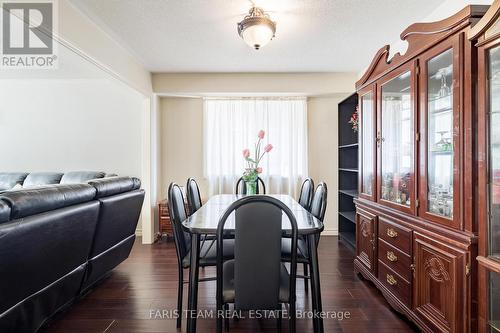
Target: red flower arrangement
(354, 121)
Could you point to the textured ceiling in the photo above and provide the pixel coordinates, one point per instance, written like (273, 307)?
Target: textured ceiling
(201, 36)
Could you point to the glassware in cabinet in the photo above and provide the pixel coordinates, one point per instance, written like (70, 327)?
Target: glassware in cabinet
(440, 134)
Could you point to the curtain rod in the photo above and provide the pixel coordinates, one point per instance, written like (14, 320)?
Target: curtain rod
(276, 98)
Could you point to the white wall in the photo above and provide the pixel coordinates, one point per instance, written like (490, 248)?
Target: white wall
(63, 125)
(323, 151)
(77, 31)
(181, 143)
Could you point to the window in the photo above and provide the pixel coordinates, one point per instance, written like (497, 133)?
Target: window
(231, 125)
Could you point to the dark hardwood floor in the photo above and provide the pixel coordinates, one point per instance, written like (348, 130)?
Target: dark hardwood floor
(147, 282)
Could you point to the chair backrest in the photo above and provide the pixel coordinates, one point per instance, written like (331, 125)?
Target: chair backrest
(241, 186)
(257, 268)
(318, 204)
(306, 193)
(193, 195)
(178, 214)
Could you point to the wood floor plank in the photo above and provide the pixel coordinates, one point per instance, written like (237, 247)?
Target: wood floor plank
(146, 282)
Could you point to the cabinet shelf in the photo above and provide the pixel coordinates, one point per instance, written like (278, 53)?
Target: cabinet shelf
(351, 216)
(348, 169)
(495, 325)
(441, 111)
(349, 238)
(352, 145)
(351, 193)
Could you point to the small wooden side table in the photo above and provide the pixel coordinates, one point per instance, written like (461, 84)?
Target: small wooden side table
(166, 229)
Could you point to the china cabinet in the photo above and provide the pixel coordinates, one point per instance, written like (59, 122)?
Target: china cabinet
(486, 36)
(415, 214)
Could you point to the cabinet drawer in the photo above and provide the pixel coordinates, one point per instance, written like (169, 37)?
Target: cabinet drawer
(395, 283)
(395, 259)
(164, 211)
(394, 234)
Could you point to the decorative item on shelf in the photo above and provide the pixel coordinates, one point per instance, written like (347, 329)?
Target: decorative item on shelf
(252, 171)
(395, 188)
(257, 29)
(354, 121)
(441, 200)
(444, 144)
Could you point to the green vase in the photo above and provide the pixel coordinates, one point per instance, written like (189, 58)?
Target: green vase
(251, 187)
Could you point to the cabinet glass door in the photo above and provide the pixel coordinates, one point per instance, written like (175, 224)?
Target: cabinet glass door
(494, 154)
(494, 302)
(396, 141)
(440, 134)
(368, 144)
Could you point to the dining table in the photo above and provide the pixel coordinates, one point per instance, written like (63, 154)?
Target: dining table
(205, 221)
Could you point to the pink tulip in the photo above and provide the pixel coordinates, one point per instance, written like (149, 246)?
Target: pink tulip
(246, 153)
(261, 134)
(268, 148)
(259, 170)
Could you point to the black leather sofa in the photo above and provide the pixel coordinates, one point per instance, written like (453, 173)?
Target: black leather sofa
(58, 240)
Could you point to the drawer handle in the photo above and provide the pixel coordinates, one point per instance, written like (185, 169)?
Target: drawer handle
(392, 233)
(391, 280)
(391, 256)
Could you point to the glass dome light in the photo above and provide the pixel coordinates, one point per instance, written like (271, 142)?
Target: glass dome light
(257, 29)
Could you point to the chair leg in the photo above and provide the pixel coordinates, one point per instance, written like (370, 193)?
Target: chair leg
(180, 289)
(279, 318)
(219, 316)
(306, 281)
(292, 318)
(226, 318)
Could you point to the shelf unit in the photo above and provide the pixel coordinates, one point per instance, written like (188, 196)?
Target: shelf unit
(348, 171)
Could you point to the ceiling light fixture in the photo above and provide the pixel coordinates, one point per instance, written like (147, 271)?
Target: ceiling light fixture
(257, 29)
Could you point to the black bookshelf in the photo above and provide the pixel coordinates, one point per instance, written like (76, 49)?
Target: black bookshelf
(348, 171)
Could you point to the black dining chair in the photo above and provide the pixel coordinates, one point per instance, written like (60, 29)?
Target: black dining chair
(182, 240)
(306, 193)
(193, 195)
(318, 210)
(256, 279)
(241, 186)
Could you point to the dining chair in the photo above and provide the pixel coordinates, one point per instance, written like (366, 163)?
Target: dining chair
(241, 186)
(256, 279)
(318, 210)
(182, 240)
(193, 195)
(306, 193)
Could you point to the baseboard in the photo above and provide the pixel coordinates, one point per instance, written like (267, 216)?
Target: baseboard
(330, 232)
(138, 232)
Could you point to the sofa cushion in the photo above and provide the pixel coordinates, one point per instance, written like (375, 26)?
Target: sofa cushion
(4, 212)
(9, 179)
(42, 178)
(76, 177)
(36, 200)
(111, 186)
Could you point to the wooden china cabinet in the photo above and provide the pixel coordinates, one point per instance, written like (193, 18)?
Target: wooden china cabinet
(486, 35)
(417, 235)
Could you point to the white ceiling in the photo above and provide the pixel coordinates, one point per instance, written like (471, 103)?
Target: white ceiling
(201, 36)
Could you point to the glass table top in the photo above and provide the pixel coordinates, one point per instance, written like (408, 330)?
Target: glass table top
(206, 219)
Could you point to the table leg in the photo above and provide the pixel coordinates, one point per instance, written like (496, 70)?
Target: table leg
(315, 284)
(193, 283)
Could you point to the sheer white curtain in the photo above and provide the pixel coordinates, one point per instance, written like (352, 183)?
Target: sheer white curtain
(231, 125)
